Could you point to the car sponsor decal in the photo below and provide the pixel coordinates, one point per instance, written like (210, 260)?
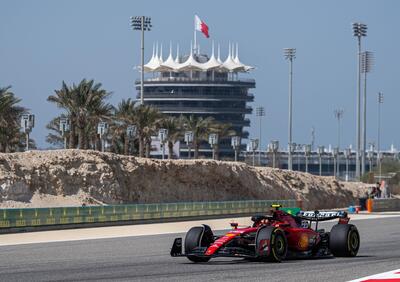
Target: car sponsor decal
(322, 214)
(264, 246)
(231, 235)
(303, 241)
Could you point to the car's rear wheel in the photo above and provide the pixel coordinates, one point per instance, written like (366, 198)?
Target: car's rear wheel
(271, 244)
(198, 236)
(344, 240)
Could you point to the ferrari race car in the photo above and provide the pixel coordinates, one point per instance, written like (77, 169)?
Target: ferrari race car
(273, 237)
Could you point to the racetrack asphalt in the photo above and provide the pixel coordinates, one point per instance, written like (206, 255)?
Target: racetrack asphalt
(146, 258)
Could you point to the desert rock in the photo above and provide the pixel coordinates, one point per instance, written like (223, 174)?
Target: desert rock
(74, 177)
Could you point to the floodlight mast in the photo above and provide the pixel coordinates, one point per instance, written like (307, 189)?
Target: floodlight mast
(367, 60)
(260, 112)
(380, 102)
(359, 31)
(143, 24)
(338, 115)
(290, 54)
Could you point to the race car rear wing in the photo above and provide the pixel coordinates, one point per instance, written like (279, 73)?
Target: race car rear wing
(321, 215)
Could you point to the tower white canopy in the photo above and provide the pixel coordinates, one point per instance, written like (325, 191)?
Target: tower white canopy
(231, 64)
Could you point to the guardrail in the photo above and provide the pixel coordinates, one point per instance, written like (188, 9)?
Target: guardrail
(35, 217)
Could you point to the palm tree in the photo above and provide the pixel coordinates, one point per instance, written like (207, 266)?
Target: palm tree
(89, 100)
(63, 98)
(147, 120)
(124, 117)
(200, 127)
(174, 127)
(54, 137)
(86, 105)
(223, 130)
(10, 112)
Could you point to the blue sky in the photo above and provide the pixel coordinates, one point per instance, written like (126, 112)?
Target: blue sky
(45, 42)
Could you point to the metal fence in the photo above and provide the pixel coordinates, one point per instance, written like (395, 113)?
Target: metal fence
(14, 218)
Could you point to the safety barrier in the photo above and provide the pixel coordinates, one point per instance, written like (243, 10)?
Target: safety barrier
(381, 205)
(21, 218)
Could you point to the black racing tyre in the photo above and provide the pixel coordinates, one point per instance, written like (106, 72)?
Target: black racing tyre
(344, 240)
(277, 244)
(198, 236)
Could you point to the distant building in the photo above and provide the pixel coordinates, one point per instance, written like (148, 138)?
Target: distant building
(199, 85)
(345, 164)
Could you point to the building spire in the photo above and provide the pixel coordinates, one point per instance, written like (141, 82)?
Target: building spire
(212, 49)
(219, 54)
(177, 53)
(161, 56)
(237, 51)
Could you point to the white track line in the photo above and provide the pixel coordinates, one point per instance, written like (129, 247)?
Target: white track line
(136, 230)
(392, 276)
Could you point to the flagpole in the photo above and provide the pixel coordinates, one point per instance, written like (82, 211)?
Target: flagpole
(195, 41)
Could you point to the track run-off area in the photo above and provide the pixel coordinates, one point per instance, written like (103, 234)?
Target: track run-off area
(132, 253)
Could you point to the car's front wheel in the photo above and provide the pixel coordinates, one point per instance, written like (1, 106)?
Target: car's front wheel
(198, 236)
(271, 244)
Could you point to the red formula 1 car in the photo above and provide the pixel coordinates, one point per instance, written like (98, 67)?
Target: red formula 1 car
(273, 237)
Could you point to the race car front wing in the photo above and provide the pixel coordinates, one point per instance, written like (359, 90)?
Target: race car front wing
(237, 252)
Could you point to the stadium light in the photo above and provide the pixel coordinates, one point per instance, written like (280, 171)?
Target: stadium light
(290, 55)
(320, 151)
(65, 126)
(367, 60)
(380, 102)
(27, 124)
(163, 135)
(102, 129)
(189, 140)
(260, 112)
(359, 31)
(338, 113)
(235, 142)
(213, 140)
(143, 24)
